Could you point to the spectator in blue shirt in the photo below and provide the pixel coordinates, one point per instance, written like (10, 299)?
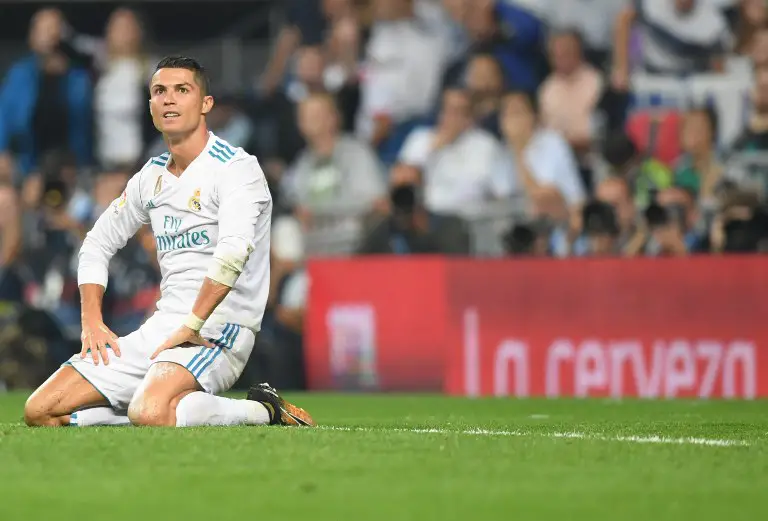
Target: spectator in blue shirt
(512, 35)
(45, 103)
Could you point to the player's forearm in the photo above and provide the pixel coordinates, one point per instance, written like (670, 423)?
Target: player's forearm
(91, 296)
(211, 294)
(227, 265)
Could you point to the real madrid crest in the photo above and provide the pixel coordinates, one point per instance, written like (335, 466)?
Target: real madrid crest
(159, 184)
(194, 202)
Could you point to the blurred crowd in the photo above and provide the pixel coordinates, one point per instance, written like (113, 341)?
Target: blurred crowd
(591, 127)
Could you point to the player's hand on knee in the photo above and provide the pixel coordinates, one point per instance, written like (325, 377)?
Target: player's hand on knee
(181, 336)
(96, 338)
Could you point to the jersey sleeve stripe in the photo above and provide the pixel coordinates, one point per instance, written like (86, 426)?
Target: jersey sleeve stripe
(225, 146)
(217, 156)
(220, 150)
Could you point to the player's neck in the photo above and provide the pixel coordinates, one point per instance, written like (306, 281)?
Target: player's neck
(185, 149)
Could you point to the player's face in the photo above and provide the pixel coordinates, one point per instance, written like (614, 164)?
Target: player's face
(176, 102)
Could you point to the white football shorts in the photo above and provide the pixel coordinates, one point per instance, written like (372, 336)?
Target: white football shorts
(216, 370)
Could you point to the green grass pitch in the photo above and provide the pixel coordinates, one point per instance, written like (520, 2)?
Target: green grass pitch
(393, 457)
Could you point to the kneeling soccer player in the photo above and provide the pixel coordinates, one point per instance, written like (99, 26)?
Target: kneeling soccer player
(210, 210)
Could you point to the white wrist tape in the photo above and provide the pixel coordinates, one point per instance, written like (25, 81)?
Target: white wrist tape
(194, 322)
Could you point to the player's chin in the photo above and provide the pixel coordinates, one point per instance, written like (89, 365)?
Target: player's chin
(172, 125)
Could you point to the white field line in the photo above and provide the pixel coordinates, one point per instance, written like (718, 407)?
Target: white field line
(658, 440)
(662, 440)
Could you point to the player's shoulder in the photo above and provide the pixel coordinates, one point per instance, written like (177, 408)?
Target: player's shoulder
(225, 154)
(154, 165)
(231, 159)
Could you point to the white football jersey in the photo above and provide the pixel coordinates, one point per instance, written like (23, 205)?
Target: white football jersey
(221, 196)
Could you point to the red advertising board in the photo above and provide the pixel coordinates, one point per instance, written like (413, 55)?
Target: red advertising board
(643, 328)
(376, 324)
(593, 327)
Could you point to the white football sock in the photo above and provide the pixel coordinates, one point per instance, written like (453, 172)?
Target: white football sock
(201, 408)
(97, 416)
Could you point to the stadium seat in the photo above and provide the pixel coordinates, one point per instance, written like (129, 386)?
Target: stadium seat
(656, 132)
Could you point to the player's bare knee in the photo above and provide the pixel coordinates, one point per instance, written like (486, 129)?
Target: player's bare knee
(148, 411)
(36, 413)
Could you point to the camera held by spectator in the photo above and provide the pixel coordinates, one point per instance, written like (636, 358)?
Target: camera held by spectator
(529, 239)
(741, 226)
(411, 228)
(666, 225)
(601, 228)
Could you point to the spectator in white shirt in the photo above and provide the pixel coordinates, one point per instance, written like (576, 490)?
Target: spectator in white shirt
(538, 163)
(456, 159)
(401, 74)
(123, 125)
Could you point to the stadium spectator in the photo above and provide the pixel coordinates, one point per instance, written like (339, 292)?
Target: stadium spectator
(311, 68)
(570, 95)
(56, 213)
(754, 137)
(601, 230)
(45, 104)
(678, 37)
(306, 23)
(528, 239)
(645, 175)
(739, 226)
(538, 163)
(699, 169)
(412, 229)
(513, 35)
(336, 172)
(680, 206)
(286, 363)
(342, 70)
(753, 17)
(616, 192)
(595, 20)
(400, 77)
(485, 84)
(123, 124)
(456, 159)
(446, 18)
(759, 54)
(11, 289)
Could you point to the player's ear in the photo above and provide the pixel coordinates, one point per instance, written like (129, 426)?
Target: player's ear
(207, 104)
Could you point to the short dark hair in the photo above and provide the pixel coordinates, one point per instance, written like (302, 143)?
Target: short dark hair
(571, 32)
(191, 64)
(599, 218)
(619, 149)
